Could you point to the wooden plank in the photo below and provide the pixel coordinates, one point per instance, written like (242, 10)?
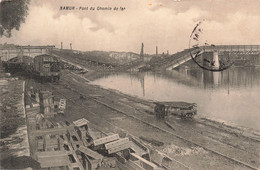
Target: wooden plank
(125, 166)
(139, 143)
(116, 143)
(135, 165)
(165, 161)
(81, 122)
(120, 158)
(78, 140)
(74, 165)
(137, 149)
(106, 139)
(119, 148)
(53, 131)
(145, 164)
(51, 153)
(72, 151)
(90, 152)
(52, 159)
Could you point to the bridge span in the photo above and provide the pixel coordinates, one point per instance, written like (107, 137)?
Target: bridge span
(11, 51)
(216, 50)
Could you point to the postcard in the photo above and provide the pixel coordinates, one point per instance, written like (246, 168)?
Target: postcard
(129, 84)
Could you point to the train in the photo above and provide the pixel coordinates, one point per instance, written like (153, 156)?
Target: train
(180, 109)
(43, 66)
(46, 66)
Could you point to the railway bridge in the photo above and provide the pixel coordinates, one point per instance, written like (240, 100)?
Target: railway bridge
(216, 51)
(11, 51)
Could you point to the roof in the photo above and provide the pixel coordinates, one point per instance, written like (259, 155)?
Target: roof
(176, 104)
(81, 122)
(47, 57)
(21, 59)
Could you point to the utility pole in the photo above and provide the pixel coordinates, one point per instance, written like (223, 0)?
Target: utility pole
(21, 51)
(142, 52)
(156, 51)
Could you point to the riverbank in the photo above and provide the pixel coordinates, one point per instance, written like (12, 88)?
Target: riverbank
(209, 129)
(188, 140)
(97, 72)
(231, 126)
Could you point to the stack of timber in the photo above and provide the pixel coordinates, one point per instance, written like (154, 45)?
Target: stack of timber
(77, 145)
(46, 103)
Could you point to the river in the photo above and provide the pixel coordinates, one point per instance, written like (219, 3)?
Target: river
(231, 96)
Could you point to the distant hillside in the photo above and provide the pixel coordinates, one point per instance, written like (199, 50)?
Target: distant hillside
(103, 57)
(112, 57)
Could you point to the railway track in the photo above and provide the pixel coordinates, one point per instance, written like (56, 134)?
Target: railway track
(131, 98)
(162, 130)
(109, 123)
(198, 122)
(180, 137)
(210, 132)
(231, 132)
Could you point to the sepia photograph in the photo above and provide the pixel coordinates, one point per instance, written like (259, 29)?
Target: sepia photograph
(130, 84)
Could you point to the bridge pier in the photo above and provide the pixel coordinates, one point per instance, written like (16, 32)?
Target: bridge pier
(215, 59)
(216, 78)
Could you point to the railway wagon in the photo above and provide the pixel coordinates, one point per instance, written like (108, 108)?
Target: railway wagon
(22, 64)
(47, 66)
(181, 109)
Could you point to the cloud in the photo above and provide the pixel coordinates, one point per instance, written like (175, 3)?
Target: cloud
(166, 24)
(237, 29)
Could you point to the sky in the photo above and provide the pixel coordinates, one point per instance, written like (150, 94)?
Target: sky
(163, 23)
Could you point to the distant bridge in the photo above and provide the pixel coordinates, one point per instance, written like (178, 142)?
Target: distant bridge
(219, 49)
(237, 49)
(9, 52)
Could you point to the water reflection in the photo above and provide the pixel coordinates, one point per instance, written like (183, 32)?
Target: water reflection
(231, 95)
